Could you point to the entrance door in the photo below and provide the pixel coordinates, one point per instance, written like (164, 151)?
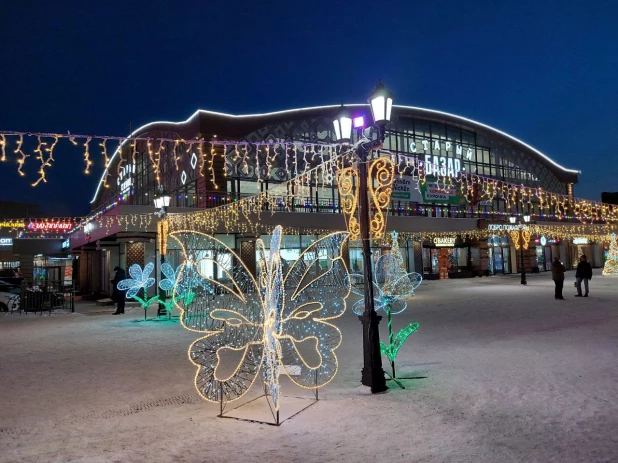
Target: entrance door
(491, 260)
(498, 261)
(548, 258)
(507, 260)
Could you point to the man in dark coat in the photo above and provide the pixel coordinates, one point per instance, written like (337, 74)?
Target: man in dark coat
(583, 273)
(557, 274)
(118, 295)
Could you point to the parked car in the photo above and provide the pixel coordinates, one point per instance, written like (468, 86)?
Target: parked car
(9, 296)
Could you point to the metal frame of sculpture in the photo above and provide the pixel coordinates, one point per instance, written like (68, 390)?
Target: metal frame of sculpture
(391, 286)
(274, 322)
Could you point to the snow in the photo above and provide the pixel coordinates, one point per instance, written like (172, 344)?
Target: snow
(512, 375)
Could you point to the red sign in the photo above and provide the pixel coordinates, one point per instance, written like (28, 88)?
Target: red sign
(44, 226)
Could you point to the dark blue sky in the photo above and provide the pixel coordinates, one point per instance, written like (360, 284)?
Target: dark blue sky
(545, 72)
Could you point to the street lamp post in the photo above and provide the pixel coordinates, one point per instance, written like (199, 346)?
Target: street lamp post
(521, 245)
(381, 102)
(162, 202)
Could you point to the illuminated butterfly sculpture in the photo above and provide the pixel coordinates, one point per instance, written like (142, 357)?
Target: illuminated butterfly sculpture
(277, 322)
(381, 173)
(392, 284)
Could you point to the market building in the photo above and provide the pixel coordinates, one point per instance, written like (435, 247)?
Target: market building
(258, 152)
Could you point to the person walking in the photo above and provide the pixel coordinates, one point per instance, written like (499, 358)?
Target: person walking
(118, 295)
(583, 273)
(557, 274)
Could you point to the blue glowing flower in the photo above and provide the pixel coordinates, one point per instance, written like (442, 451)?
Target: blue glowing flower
(391, 285)
(139, 279)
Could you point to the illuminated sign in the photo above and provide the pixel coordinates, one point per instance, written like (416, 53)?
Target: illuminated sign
(444, 242)
(6, 241)
(442, 165)
(437, 146)
(580, 240)
(543, 241)
(506, 227)
(66, 244)
(11, 224)
(45, 226)
(125, 179)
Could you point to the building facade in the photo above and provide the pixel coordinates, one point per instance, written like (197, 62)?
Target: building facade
(201, 175)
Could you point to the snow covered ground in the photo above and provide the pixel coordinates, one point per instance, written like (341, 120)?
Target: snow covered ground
(512, 375)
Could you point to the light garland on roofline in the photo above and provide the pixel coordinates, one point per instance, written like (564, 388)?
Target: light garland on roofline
(297, 158)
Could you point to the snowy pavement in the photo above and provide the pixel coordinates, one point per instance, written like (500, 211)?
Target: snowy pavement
(512, 375)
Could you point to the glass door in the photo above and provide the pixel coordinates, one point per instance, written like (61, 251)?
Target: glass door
(506, 252)
(548, 258)
(498, 263)
(491, 260)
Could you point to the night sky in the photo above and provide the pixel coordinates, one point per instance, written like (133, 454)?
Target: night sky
(546, 74)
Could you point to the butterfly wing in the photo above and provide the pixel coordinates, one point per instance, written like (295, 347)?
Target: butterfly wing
(227, 306)
(317, 286)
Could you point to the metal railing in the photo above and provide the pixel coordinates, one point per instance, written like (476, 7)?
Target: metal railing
(49, 295)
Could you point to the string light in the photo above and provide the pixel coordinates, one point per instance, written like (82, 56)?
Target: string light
(611, 263)
(3, 147)
(23, 155)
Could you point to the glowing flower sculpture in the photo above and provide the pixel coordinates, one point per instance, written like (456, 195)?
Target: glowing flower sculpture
(139, 280)
(183, 279)
(392, 284)
(275, 322)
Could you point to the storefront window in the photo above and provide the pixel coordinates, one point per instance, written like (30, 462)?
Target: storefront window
(356, 260)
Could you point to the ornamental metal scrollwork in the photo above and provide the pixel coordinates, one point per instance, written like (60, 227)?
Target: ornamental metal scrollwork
(349, 199)
(383, 171)
(515, 238)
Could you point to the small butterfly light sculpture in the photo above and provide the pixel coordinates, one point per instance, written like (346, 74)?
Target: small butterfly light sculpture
(274, 321)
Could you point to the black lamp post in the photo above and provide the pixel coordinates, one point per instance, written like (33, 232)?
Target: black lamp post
(381, 102)
(162, 202)
(521, 245)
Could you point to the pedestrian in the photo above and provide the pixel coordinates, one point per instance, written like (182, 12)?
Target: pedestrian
(118, 295)
(583, 273)
(557, 274)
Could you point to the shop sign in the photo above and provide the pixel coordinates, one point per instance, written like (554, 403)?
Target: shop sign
(580, 240)
(6, 241)
(66, 244)
(45, 226)
(442, 165)
(427, 145)
(438, 192)
(11, 224)
(543, 241)
(444, 242)
(402, 188)
(125, 179)
(506, 227)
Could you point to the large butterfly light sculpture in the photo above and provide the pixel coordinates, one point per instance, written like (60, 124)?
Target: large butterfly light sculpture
(277, 322)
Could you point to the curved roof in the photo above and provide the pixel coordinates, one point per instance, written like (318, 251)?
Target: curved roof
(191, 127)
